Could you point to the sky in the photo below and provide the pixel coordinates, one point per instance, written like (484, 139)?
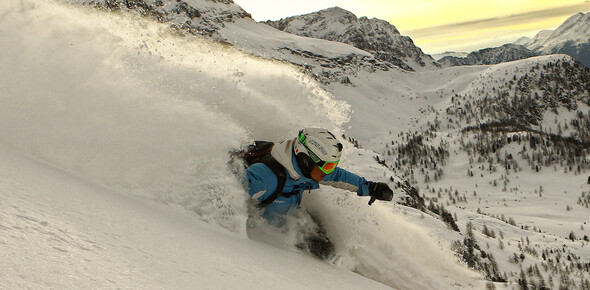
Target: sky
(438, 26)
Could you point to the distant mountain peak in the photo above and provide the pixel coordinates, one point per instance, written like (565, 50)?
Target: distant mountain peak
(376, 36)
(336, 10)
(523, 40)
(572, 37)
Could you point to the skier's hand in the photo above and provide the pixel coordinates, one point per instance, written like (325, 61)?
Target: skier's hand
(380, 191)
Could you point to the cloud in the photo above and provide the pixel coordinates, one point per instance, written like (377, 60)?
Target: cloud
(498, 22)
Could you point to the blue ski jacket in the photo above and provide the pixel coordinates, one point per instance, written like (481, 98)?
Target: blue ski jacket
(262, 183)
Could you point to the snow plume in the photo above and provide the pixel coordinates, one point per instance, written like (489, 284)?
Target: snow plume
(129, 105)
(384, 242)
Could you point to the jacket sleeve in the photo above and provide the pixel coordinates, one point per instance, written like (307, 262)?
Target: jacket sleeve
(343, 179)
(262, 182)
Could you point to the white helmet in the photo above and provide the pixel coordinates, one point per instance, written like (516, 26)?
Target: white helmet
(321, 145)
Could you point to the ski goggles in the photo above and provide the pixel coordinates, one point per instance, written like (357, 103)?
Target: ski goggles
(325, 166)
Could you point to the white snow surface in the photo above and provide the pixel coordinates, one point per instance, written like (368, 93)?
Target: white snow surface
(114, 141)
(253, 37)
(60, 231)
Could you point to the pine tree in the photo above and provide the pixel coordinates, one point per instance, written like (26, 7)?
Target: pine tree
(485, 231)
(469, 230)
(522, 281)
(572, 236)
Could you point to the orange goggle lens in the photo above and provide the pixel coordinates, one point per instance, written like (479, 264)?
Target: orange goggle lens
(328, 167)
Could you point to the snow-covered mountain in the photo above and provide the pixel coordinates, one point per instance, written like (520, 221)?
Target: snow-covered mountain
(438, 56)
(198, 17)
(522, 41)
(377, 36)
(116, 131)
(574, 30)
(572, 38)
(226, 22)
(504, 53)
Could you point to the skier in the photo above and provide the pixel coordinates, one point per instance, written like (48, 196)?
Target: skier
(300, 164)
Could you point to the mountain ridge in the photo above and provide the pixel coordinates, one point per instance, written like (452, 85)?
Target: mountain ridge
(226, 22)
(196, 17)
(572, 37)
(487, 56)
(377, 36)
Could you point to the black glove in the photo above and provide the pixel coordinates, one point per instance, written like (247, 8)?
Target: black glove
(380, 191)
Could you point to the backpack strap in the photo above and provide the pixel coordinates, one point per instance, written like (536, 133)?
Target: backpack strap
(279, 171)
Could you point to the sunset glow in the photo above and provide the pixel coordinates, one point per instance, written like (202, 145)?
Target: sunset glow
(437, 26)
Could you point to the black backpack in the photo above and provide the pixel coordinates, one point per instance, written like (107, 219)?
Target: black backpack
(259, 152)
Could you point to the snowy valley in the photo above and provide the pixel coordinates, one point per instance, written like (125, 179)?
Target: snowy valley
(117, 118)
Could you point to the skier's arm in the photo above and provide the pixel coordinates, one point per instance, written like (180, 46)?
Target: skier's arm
(343, 179)
(262, 182)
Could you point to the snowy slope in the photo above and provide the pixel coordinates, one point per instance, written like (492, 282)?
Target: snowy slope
(254, 37)
(114, 144)
(138, 116)
(543, 206)
(60, 231)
